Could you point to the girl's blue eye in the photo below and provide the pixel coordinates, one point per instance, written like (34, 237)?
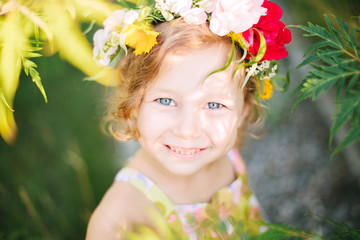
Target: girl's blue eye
(165, 101)
(214, 105)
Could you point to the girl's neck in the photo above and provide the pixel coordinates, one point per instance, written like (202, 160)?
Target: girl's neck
(187, 189)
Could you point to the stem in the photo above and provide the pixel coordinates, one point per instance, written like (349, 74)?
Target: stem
(351, 55)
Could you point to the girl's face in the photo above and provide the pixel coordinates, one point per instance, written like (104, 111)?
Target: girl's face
(186, 123)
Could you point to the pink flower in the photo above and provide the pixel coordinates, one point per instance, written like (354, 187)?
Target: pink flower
(235, 15)
(275, 32)
(199, 215)
(195, 16)
(172, 218)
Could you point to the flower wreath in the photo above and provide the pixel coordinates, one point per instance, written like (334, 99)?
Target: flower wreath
(252, 24)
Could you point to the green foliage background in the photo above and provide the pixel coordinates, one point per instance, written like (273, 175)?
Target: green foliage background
(62, 163)
(61, 159)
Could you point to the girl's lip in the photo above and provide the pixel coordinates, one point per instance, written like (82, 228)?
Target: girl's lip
(183, 152)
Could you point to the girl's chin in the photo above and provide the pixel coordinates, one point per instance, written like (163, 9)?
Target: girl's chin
(182, 170)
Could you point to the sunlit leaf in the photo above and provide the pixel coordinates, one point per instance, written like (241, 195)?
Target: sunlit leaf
(3, 99)
(8, 128)
(92, 10)
(73, 45)
(36, 20)
(13, 41)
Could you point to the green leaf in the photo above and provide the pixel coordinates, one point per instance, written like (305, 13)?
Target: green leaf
(352, 136)
(33, 55)
(320, 85)
(310, 59)
(298, 88)
(37, 35)
(128, 4)
(262, 49)
(320, 44)
(316, 30)
(284, 80)
(227, 64)
(321, 74)
(321, 55)
(37, 80)
(282, 231)
(343, 25)
(28, 64)
(352, 83)
(3, 99)
(339, 88)
(304, 94)
(344, 113)
(330, 53)
(29, 68)
(90, 27)
(333, 31)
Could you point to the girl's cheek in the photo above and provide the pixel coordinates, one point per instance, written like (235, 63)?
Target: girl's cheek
(221, 128)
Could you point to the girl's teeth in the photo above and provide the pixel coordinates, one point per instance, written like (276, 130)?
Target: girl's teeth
(183, 151)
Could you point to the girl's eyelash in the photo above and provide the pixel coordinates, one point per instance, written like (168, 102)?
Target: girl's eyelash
(165, 101)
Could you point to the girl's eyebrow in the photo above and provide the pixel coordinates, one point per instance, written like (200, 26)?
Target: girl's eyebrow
(155, 90)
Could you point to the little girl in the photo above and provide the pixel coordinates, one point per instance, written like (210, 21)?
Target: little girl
(188, 89)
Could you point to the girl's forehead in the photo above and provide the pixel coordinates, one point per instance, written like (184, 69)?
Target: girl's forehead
(195, 69)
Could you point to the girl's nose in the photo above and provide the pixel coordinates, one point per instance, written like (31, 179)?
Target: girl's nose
(188, 125)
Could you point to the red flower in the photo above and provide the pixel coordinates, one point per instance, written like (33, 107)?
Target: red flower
(274, 31)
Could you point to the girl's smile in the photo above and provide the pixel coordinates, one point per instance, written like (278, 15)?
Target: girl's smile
(181, 152)
(187, 120)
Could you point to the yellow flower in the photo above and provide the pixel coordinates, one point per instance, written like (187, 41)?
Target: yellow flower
(267, 89)
(141, 38)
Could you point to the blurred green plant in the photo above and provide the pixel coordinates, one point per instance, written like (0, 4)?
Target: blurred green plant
(163, 230)
(335, 61)
(29, 26)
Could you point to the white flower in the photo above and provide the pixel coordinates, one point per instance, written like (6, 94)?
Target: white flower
(106, 57)
(161, 5)
(235, 15)
(100, 38)
(120, 19)
(207, 5)
(179, 6)
(115, 21)
(195, 16)
(252, 71)
(105, 45)
(130, 17)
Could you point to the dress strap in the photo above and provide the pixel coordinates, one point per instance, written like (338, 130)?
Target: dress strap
(148, 188)
(237, 162)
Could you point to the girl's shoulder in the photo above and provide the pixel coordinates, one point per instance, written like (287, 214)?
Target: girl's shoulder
(122, 206)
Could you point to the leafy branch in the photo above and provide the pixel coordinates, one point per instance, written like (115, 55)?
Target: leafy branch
(336, 63)
(25, 25)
